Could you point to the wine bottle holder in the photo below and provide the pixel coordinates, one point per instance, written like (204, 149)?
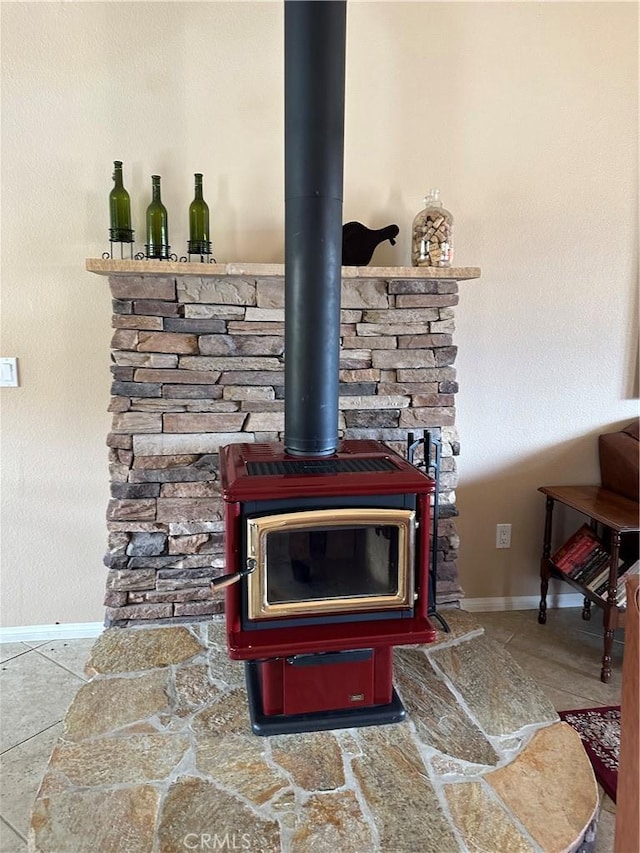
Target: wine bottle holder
(201, 248)
(122, 237)
(153, 253)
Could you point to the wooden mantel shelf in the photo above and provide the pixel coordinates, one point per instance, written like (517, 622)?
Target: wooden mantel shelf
(119, 267)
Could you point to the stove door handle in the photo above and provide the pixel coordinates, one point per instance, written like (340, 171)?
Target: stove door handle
(227, 580)
(328, 658)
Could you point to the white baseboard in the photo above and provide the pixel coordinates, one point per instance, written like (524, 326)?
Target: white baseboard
(37, 633)
(521, 602)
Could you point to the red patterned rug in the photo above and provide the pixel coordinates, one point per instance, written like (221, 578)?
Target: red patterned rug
(599, 729)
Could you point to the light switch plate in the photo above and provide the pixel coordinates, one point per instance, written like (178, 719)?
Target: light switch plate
(8, 372)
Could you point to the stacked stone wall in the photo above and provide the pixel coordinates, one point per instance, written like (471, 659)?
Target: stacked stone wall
(198, 362)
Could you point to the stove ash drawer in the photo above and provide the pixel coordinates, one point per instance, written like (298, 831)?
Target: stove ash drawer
(302, 684)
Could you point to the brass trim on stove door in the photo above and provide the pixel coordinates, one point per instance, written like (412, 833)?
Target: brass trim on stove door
(259, 528)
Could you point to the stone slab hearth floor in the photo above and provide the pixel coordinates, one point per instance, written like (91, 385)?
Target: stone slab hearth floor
(155, 753)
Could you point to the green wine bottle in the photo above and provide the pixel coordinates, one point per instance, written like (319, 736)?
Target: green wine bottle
(157, 224)
(119, 209)
(199, 242)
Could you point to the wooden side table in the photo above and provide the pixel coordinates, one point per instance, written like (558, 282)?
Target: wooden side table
(619, 516)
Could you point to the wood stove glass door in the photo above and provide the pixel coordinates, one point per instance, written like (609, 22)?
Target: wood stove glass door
(330, 561)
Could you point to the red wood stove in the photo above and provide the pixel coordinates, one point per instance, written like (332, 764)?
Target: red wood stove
(327, 569)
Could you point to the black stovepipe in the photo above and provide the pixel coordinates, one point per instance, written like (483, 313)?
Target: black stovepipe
(315, 37)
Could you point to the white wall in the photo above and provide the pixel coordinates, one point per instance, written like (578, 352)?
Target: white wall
(523, 114)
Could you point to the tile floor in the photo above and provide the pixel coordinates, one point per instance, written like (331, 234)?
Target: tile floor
(39, 681)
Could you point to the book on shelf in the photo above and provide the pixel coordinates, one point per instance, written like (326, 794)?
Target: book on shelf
(621, 596)
(601, 578)
(625, 572)
(602, 589)
(630, 569)
(591, 567)
(577, 552)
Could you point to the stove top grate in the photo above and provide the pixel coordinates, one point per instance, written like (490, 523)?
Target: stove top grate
(319, 466)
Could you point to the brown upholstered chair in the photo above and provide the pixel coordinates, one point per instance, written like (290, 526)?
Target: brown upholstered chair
(619, 461)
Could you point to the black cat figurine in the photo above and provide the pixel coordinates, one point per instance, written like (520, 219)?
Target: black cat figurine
(359, 242)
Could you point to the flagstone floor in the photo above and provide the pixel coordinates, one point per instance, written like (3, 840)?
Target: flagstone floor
(155, 753)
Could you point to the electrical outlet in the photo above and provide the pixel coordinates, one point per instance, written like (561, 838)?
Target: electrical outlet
(503, 536)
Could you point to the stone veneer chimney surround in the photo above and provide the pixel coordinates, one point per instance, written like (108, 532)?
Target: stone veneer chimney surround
(198, 362)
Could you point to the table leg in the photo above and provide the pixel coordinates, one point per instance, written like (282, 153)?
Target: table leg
(610, 610)
(544, 562)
